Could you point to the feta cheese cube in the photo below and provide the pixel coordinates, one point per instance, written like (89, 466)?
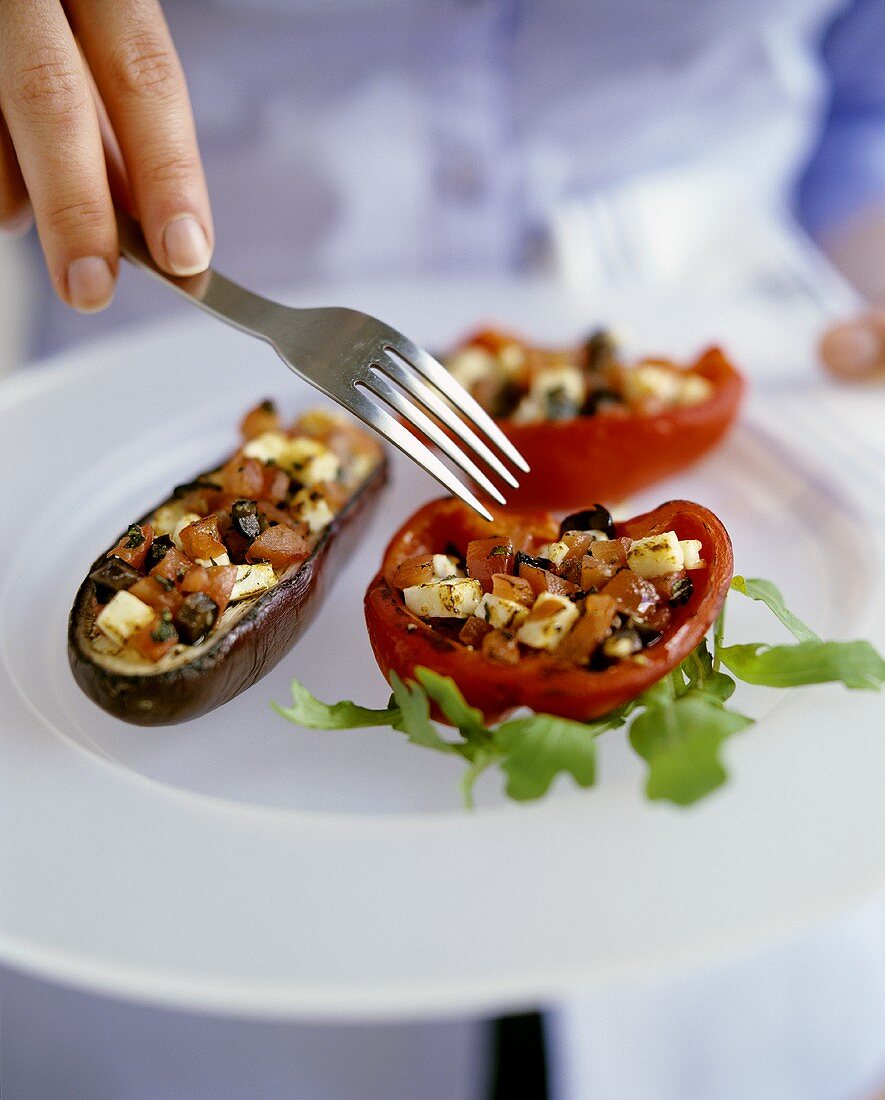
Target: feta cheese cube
(119, 619)
(312, 508)
(501, 613)
(554, 551)
(693, 389)
(219, 559)
(445, 567)
(310, 461)
(471, 365)
(566, 379)
(455, 598)
(551, 618)
(166, 516)
(691, 553)
(656, 555)
(252, 579)
(652, 382)
(268, 447)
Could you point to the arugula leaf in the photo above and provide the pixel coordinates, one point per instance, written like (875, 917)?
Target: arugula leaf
(537, 748)
(447, 695)
(681, 746)
(769, 594)
(413, 718)
(307, 710)
(856, 664)
(703, 676)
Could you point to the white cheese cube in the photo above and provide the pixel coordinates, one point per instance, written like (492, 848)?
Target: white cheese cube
(312, 508)
(445, 567)
(691, 554)
(566, 380)
(165, 518)
(501, 613)
(554, 551)
(268, 447)
(651, 382)
(455, 598)
(252, 579)
(530, 410)
(693, 389)
(185, 520)
(310, 461)
(122, 616)
(472, 365)
(548, 632)
(656, 555)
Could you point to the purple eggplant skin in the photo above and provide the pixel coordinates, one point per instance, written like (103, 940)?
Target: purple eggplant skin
(242, 653)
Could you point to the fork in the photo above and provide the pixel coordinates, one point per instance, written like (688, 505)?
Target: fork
(363, 365)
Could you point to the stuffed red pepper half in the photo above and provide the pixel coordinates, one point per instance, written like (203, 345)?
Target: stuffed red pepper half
(590, 425)
(572, 618)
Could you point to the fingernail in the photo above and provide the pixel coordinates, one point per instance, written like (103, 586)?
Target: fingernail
(19, 223)
(90, 284)
(187, 249)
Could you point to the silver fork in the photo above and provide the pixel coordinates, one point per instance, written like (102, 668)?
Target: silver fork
(358, 362)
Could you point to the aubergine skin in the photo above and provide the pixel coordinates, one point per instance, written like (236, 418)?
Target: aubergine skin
(242, 653)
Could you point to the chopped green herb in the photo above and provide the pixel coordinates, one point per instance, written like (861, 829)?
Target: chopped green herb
(134, 536)
(499, 551)
(164, 629)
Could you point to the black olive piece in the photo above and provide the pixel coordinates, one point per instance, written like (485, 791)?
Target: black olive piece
(112, 576)
(683, 590)
(452, 551)
(158, 550)
(623, 643)
(506, 400)
(527, 559)
(195, 618)
(601, 399)
(600, 349)
(596, 518)
(245, 518)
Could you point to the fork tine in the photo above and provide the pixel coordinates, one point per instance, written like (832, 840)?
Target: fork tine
(446, 414)
(359, 404)
(424, 362)
(379, 385)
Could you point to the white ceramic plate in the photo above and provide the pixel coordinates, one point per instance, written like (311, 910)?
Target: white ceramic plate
(236, 863)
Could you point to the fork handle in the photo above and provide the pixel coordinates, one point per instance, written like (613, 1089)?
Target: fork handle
(213, 292)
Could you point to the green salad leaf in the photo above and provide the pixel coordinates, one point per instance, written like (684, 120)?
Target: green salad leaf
(678, 726)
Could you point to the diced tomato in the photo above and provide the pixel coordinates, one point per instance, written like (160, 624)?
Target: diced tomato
(613, 552)
(222, 579)
(276, 484)
(594, 573)
(578, 543)
(542, 580)
(156, 594)
(335, 493)
(632, 593)
(196, 579)
(155, 639)
(243, 477)
(473, 631)
(202, 539)
(589, 631)
(173, 566)
(263, 418)
(280, 515)
(412, 571)
(667, 584)
(134, 545)
(279, 545)
(513, 588)
(501, 646)
(488, 556)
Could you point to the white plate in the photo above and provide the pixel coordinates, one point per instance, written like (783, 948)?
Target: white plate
(236, 863)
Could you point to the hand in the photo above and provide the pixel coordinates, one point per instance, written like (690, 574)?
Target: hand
(855, 350)
(93, 103)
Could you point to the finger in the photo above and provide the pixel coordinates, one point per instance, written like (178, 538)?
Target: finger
(45, 100)
(16, 215)
(852, 350)
(136, 68)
